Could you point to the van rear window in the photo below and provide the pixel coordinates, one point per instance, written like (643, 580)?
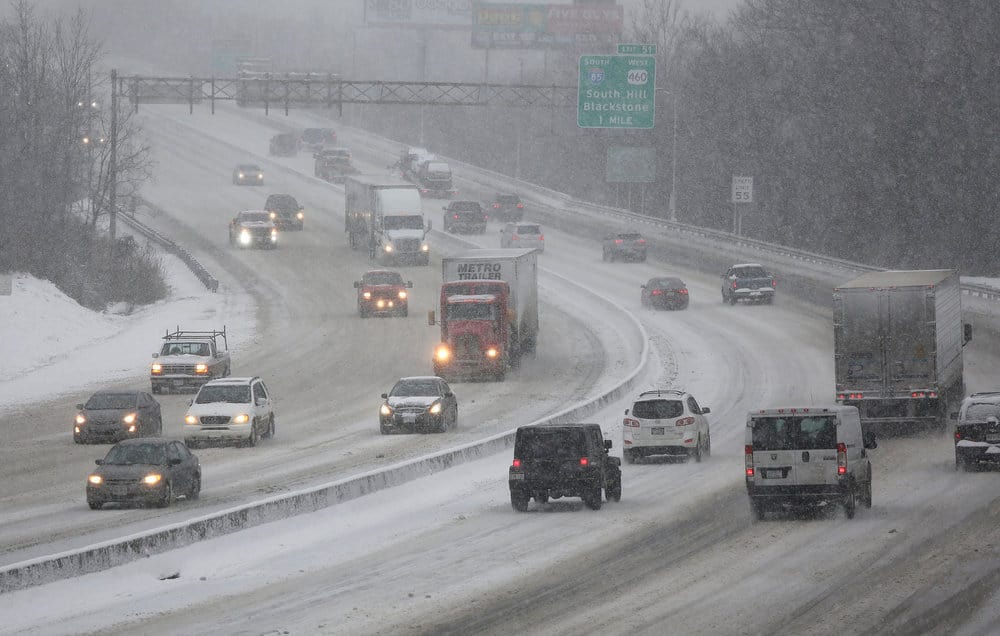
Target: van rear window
(657, 409)
(795, 432)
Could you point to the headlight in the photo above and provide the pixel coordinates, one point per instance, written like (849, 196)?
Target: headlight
(245, 237)
(156, 368)
(425, 247)
(81, 418)
(242, 418)
(300, 216)
(260, 175)
(201, 368)
(97, 480)
(385, 409)
(388, 247)
(274, 215)
(367, 295)
(442, 354)
(435, 408)
(130, 418)
(492, 352)
(240, 175)
(152, 479)
(190, 419)
(402, 295)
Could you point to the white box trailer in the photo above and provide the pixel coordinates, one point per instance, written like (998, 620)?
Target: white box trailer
(519, 269)
(898, 338)
(385, 215)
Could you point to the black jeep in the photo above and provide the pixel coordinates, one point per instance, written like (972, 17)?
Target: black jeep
(563, 460)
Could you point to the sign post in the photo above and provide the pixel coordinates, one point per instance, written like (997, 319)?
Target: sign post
(616, 91)
(742, 194)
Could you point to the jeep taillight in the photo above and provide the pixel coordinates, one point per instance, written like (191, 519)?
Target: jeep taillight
(841, 458)
(958, 435)
(584, 461)
(748, 459)
(734, 284)
(774, 283)
(516, 463)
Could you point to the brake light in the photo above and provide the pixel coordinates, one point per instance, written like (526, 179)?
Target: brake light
(841, 458)
(774, 283)
(734, 284)
(958, 435)
(496, 205)
(641, 241)
(455, 217)
(541, 237)
(923, 394)
(516, 463)
(628, 421)
(684, 421)
(657, 292)
(514, 237)
(584, 462)
(748, 459)
(682, 291)
(618, 241)
(520, 206)
(850, 396)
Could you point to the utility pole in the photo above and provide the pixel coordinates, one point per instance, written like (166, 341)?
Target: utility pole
(113, 176)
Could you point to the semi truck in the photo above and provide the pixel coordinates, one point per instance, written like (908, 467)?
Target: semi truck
(488, 312)
(383, 215)
(897, 342)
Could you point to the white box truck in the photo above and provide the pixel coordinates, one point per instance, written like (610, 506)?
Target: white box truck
(898, 338)
(384, 215)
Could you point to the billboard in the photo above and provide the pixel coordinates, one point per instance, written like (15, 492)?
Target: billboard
(419, 13)
(545, 26)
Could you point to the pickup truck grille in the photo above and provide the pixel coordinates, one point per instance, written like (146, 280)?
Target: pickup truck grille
(178, 369)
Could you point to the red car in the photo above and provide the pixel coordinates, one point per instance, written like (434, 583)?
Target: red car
(382, 292)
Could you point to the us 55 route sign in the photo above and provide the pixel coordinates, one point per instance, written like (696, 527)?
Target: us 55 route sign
(616, 91)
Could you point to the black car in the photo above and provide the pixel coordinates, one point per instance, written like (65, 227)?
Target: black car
(285, 211)
(665, 292)
(284, 145)
(145, 471)
(508, 207)
(418, 403)
(113, 415)
(465, 217)
(624, 246)
(248, 174)
(750, 282)
(563, 460)
(315, 139)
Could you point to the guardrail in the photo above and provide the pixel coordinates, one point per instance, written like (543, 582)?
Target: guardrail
(210, 282)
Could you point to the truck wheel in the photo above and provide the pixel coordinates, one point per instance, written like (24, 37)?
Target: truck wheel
(698, 450)
(254, 436)
(757, 509)
(168, 496)
(592, 498)
(614, 489)
(269, 433)
(960, 464)
(732, 299)
(519, 500)
(628, 455)
(867, 498)
(604, 255)
(850, 501)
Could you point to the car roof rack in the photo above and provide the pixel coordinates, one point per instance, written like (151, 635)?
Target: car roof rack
(662, 392)
(179, 334)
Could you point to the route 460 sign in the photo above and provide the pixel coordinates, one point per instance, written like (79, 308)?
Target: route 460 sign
(616, 91)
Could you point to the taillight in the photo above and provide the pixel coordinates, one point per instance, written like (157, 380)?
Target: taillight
(656, 292)
(628, 421)
(455, 217)
(682, 291)
(958, 435)
(618, 241)
(541, 237)
(748, 459)
(516, 463)
(684, 421)
(514, 237)
(584, 462)
(841, 458)
(850, 396)
(641, 241)
(520, 206)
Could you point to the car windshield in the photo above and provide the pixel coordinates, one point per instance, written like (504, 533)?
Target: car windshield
(409, 222)
(408, 388)
(635, 236)
(233, 394)
(657, 409)
(751, 272)
(666, 283)
(554, 444)
(312, 134)
(101, 401)
(255, 217)
(980, 411)
(794, 432)
(135, 454)
(469, 311)
(283, 201)
(186, 348)
(246, 168)
(508, 199)
(382, 278)
(528, 229)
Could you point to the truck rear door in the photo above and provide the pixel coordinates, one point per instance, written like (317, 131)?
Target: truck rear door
(859, 358)
(910, 345)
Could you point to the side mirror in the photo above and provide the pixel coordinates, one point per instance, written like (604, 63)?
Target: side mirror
(261, 401)
(174, 461)
(79, 407)
(385, 396)
(607, 444)
(357, 284)
(156, 355)
(409, 284)
(98, 461)
(430, 318)
(429, 226)
(449, 394)
(626, 411)
(966, 333)
(444, 207)
(869, 440)
(705, 410)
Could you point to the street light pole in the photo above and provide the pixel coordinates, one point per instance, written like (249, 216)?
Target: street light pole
(673, 165)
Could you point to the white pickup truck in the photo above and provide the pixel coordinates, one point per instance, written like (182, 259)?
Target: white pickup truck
(189, 359)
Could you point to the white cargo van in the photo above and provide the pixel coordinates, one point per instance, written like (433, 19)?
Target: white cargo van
(807, 457)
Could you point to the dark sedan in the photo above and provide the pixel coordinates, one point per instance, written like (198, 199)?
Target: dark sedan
(667, 292)
(624, 246)
(114, 415)
(145, 471)
(419, 403)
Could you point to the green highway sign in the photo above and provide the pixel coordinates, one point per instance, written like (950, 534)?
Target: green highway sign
(616, 91)
(636, 49)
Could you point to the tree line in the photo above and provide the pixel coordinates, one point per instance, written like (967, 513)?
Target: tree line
(55, 174)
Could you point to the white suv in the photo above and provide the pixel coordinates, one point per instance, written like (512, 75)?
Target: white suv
(666, 422)
(230, 409)
(526, 235)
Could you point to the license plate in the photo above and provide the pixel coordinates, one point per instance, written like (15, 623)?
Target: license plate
(517, 476)
(755, 293)
(656, 430)
(774, 474)
(177, 382)
(119, 491)
(993, 438)
(409, 419)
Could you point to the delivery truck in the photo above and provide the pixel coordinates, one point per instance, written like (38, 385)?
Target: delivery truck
(384, 216)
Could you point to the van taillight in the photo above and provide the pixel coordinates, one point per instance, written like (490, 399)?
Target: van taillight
(748, 453)
(583, 461)
(958, 435)
(734, 284)
(841, 458)
(516, 463)
(774, 283)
